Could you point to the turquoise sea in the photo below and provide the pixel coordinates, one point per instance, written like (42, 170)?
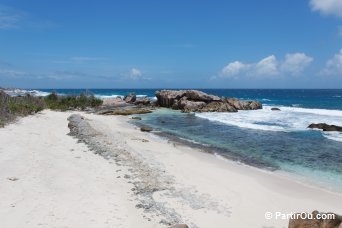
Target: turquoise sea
(263, 138)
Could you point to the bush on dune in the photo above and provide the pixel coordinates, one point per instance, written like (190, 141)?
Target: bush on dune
(83, 101)
(13, 107)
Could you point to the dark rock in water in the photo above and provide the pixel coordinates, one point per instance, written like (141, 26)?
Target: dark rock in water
(166, 98)
(324, 220)
(179, 226)
(243, 105)
(136, 118)
(146, 129)
(130, 98)
(275, 109)
(197, 101)
(325, 127)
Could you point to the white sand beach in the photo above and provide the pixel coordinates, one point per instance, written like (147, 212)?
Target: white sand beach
(48, 179)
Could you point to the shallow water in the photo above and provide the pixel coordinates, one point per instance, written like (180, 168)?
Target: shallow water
(304, 152)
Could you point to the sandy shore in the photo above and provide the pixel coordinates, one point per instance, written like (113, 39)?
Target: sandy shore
(48, 179)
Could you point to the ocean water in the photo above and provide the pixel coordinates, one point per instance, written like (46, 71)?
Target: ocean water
(274, 140)
(305, 98)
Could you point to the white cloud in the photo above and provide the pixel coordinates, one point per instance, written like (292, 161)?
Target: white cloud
(327, 7)
(293, 64)
(135, 73)
(267, 66)
(333, 65)
(296, 63)
(12, 73)
(9, 18)
(234, 68)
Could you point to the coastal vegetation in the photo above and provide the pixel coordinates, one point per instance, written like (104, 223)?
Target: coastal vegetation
(63, 103)
(12, 107)
(19, 106)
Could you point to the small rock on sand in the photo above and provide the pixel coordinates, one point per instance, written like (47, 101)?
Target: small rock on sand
(146, 129)
(12, 178)
(179, 226)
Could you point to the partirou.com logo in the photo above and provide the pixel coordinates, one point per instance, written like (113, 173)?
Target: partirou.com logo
(302, 215)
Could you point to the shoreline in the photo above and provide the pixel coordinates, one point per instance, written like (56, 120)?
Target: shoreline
(239, 160)
(273, 180)
(207, 149)
(197, 188)
(219, 154)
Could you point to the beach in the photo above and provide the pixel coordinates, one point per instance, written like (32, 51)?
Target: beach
(171, 114)
(51, 179)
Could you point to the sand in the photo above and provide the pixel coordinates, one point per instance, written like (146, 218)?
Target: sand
(48, 179)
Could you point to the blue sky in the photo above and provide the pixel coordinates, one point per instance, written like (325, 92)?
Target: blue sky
(174, 44)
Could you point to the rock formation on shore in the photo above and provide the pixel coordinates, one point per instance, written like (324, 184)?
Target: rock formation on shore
(325, 127)
(145, 179)
(130, 98)
(197, 101)
(124, 111)
(143, 101)
(315, 220)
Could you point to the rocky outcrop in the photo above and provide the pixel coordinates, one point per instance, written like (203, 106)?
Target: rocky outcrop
(143, 101)
(117, 101)
(198, 101)
(124, 111)
(243, 105)
(196, 95)
(167, 98)
(146, 179)
(217, 106)
(190, 105)
(130, 98)
(315, 220)
(325, 127)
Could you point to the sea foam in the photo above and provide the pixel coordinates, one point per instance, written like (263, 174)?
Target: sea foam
(139, 96)
(23, 92)
(287, 120)
(108, 96)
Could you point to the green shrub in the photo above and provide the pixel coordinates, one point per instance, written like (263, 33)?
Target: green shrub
(13, 107)
(71, 102)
